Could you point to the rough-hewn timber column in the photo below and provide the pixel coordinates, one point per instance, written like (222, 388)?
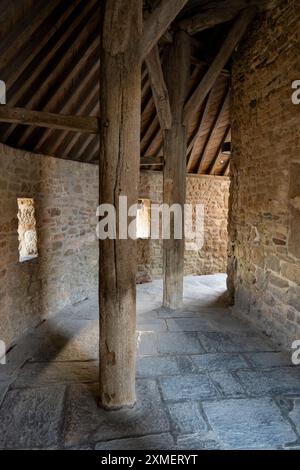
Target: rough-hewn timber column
(120, 100)
(177, 69)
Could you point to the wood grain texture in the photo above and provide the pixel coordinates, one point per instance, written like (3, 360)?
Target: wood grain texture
(159, 89)
(158, 22)
(120, 101)
(233, 38)
(175, 145)
(43, 119)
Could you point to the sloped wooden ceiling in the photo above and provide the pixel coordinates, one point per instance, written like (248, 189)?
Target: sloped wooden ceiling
(49, 60)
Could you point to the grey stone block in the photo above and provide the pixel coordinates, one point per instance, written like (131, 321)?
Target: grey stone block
(31, 418)
(147, 316)
(219, 361)
(294, 414)
(85, 422)
(179, 343)
(48, 373)
(151, 325)
(264, 360)
(147, 344)
(186, 418)
(291, 407)
(187, 387)
(225, 342)
(214, 342)
(156, 366)
(249, 423)
(3, 390)
(189, 324)
(275, 381)
(198, 442)
(252, 342)
(154, 442)
(227, 384)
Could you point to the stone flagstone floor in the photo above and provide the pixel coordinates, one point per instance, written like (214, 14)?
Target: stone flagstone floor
(205, 380)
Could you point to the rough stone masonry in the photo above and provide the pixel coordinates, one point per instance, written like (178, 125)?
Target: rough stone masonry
(264, 220)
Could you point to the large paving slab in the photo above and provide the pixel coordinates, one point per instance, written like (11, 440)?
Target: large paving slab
(217, 341)
(32, 418)
(3, 390)
(151, 325)
(200, 441)
(264, 360)
(179, 343)
(85, 422)
(147, 344)
(48, 373)
(187, 387)
(249, 424)
(270, 382)
(157, 366)
(189, 324)
(226, 384)
(219, 361)
(153, 442)
(187, 418)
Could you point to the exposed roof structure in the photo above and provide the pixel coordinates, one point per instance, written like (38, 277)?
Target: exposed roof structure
(49, 60)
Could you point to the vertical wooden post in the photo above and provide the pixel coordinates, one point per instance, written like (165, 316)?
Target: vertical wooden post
(174, 176)
(120, 101)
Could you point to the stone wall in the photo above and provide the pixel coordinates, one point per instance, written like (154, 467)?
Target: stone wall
(212, 258)
(65, 194)
(264, 220)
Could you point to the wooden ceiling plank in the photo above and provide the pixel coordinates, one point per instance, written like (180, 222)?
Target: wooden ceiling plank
(18, 35)
(14, 70)
(192, 148)
(90, 105)
(31, 80)
(44, 119)
(72, 97)
(226, 171)
(223, 108)
(159, 89)
(69, 70)
(236, 33)
(158, 22)
(212, 167)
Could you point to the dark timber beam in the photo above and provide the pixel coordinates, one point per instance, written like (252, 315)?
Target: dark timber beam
(192, 148)
(54, 121)
(218, 154)
(159, 89)
(158, 22)
(237, 32)
(152, 160)
(223, 108)
(120, 102)
(174, 175)
(219, 12)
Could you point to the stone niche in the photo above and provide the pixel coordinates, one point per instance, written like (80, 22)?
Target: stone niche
(27, 230)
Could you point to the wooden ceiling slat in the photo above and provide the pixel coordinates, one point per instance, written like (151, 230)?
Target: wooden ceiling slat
(223, 108)
(11, 72)
(64, 104)
(38, 73)
(17, 37)
(218, 154)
